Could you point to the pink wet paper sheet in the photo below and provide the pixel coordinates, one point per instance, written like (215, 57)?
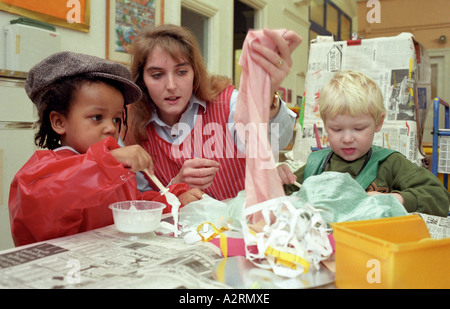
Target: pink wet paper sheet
(262, 181)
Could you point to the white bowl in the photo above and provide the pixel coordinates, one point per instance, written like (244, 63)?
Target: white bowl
(137, 217)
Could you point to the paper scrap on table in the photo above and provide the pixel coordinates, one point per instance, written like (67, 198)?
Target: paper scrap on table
(175, 203)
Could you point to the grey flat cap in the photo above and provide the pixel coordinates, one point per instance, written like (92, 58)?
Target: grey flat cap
(68, 64)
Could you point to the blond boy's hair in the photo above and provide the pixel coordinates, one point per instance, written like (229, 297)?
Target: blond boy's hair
(351, 93)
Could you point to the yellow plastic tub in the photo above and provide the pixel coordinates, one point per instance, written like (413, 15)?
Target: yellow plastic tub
(390, 253)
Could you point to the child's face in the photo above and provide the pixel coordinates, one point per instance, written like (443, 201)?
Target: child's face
(351, 137)
(95, 114)
(169, 83)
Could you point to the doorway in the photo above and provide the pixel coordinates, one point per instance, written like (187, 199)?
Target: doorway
(244, 20)
(198, 24)
(440, 68)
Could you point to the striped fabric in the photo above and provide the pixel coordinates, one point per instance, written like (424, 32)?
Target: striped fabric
(209, 139)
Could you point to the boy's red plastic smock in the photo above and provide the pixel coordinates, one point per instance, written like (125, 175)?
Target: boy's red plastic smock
(60, 193)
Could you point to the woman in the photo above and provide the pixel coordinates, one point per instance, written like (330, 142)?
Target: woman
(185, 119)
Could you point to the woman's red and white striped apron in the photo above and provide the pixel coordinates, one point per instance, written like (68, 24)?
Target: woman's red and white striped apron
(209, 139)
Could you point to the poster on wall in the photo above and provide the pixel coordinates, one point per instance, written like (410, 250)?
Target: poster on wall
(72, 14)
(123, 22)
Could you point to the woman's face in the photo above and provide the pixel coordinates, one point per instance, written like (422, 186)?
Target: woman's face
(169, 84)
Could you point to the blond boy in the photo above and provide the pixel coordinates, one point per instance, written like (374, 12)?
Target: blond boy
(352, 110)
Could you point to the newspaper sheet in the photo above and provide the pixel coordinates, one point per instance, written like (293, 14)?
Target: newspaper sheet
(439, 227)
(401, 68)
(106, 258)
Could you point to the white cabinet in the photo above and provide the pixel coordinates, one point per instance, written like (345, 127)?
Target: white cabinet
(17, 115)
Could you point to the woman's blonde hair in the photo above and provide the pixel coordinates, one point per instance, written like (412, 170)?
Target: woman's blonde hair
(180, 44)
(353, 93)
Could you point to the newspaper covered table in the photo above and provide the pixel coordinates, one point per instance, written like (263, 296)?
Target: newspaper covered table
(106, 258)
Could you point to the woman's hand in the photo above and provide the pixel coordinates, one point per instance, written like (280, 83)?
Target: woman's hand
(133, 157)
(197, 173)
(277, 62)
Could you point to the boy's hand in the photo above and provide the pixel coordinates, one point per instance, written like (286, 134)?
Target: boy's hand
(133, 157)
(286, 175)
(190, 196)
(398, 196)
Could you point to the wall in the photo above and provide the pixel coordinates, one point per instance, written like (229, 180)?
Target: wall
(289, 14)
(271, 13)
(220, 13)
(427, 21)
(92, 43)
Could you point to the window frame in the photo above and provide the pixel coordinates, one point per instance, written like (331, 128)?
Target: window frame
(323, 30)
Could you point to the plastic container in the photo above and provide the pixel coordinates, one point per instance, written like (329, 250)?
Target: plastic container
(137, 217)
(390, 253)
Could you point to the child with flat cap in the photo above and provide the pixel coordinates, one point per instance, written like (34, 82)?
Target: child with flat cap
(81, 101)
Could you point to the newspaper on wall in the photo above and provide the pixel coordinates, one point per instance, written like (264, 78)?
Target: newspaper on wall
(401, 68)
(106, 258)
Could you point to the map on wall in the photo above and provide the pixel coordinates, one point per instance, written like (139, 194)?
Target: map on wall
(130, 16)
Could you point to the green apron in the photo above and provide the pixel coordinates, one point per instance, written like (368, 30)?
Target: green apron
(317, 161)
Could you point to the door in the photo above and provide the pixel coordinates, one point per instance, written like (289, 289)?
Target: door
(17, 116)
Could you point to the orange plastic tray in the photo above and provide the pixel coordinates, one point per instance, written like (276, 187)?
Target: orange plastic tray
(390, 253)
